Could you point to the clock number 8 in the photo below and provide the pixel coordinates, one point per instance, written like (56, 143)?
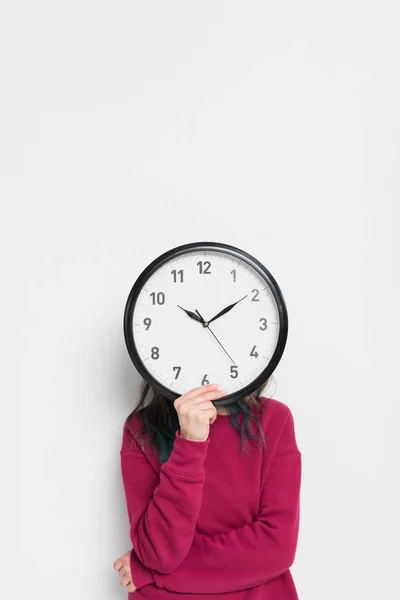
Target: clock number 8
(155, 352)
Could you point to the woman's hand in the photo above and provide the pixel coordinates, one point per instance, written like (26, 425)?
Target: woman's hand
(196, 411)
(123, 566)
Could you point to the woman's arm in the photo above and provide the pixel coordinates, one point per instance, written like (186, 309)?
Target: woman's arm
(162, 508)
(257, 552)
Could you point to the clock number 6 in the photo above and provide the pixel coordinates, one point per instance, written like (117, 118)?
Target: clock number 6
(205, 380)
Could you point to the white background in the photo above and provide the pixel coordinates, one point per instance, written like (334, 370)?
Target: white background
(127, 128)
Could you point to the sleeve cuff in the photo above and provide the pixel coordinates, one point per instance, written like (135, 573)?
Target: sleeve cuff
(141, 575)
(187, 456)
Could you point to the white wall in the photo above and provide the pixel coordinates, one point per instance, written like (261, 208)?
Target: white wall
(128, 128)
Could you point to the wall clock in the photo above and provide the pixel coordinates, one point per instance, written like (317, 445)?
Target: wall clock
(205, 312)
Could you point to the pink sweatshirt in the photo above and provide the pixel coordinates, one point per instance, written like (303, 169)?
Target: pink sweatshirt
(211, 523)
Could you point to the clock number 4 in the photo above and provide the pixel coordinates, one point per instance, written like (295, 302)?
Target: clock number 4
(204, 267)
(253, 352)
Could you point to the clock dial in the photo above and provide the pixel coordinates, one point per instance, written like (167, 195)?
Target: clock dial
(205, 315)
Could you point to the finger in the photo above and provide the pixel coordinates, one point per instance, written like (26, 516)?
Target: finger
(131, 587)
(117, 564)
(199, 390)
(208, 396)
(125, 580)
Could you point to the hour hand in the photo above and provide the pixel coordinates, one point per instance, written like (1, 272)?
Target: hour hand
(191, 314)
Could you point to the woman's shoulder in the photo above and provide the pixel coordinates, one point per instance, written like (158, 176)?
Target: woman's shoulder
(276, 417)
(131, 427)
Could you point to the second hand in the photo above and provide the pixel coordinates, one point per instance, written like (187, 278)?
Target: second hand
(205, 324)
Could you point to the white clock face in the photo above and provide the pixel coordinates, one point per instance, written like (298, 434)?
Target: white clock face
(181, 352)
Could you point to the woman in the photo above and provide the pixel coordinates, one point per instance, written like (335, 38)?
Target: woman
(210, 517)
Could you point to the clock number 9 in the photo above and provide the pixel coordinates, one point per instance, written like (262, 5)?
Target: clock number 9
(147, 322)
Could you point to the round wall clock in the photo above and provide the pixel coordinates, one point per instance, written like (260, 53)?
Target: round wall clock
(205, 312)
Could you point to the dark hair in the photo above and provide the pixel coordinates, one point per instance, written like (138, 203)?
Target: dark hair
(159, 419)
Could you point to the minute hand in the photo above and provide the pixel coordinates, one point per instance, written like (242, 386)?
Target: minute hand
(227, 309)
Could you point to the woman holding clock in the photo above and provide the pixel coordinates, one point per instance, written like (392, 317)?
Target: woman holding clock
(211, 472)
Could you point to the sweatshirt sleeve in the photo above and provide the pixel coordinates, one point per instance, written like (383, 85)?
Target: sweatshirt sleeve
(256, 552)
(163, 507)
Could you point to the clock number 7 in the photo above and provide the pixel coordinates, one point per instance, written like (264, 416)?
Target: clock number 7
(178, 369)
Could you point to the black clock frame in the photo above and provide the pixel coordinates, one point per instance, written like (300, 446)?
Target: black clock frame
(185, 249)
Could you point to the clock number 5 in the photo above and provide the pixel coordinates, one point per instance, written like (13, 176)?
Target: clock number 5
(234, 371)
